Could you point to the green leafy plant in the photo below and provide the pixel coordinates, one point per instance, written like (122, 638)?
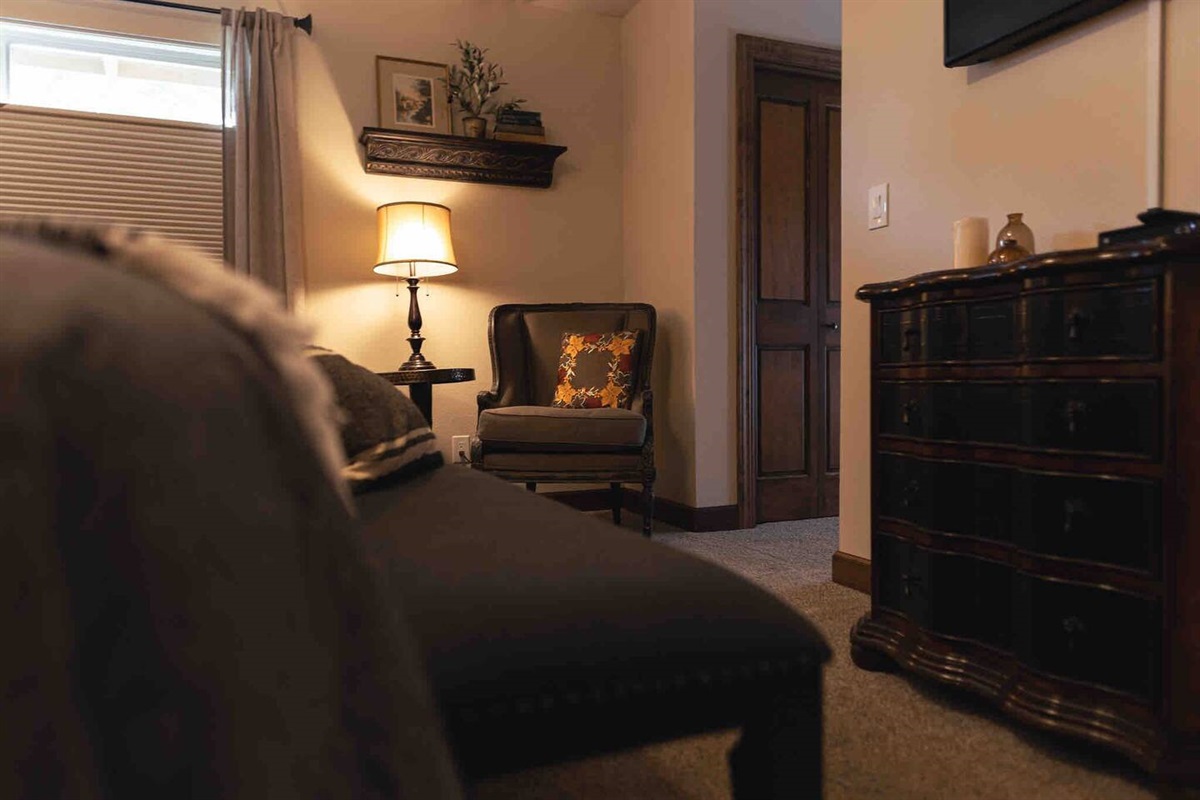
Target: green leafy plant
(473, 84)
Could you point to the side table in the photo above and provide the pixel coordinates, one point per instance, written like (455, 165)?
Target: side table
(420, 384)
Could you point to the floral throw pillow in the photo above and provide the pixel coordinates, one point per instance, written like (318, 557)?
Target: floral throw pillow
(595, 370)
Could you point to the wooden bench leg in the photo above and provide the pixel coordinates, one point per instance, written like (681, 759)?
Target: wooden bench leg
(779, 754)
(531, 485)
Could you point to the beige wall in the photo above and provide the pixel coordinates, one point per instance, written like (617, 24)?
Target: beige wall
(513, 244)
(658, 146)
(717, 23)
(1056, 130)
(679, 216)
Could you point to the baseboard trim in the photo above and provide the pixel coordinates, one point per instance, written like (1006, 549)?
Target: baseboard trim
(852, 571)
(680, 515)
(690, 518)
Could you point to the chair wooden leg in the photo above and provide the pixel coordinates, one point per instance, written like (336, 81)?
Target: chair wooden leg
(531, 486)
(614, 500)
(779, 753)
(647, 508)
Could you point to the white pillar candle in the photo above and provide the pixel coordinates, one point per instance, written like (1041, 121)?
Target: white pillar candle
(970, 242)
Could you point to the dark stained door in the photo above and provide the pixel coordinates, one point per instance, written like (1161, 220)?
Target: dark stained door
(797, 311)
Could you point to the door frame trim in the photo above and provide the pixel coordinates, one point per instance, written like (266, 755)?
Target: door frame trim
(800, 59)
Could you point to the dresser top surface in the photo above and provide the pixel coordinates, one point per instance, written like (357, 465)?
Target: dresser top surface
(1123, 255)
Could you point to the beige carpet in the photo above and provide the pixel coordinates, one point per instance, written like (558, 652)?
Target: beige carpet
(886, 737)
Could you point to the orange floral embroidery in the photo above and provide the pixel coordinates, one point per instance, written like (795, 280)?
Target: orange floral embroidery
(611, 395)
(616, 350)
(564, 394)
(621, 346)
(574, 345)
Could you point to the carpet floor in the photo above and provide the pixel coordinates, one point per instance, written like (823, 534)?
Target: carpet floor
(887, 737)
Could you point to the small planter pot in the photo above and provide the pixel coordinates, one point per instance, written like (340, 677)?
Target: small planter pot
(475, 127)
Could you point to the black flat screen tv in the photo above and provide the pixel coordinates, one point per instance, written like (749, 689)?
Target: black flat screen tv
(980, 30)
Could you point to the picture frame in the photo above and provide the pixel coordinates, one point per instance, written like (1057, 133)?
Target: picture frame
(412, 95)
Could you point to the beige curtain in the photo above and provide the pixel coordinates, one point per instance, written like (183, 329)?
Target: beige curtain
(261, 155)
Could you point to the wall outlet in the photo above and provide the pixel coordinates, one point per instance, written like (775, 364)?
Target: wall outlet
(461, 447)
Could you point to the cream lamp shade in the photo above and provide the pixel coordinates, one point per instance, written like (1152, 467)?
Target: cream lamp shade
(414, 240)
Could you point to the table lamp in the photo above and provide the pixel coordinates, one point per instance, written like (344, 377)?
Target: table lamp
(414, 243)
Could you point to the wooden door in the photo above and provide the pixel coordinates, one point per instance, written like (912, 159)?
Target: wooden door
(797, 315)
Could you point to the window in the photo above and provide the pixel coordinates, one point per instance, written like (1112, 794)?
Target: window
(85, 71)
(111, 129)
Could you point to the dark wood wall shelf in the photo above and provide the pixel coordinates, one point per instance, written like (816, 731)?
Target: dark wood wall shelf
(459, 158)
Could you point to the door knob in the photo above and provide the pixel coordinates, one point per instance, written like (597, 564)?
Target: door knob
(833, 326)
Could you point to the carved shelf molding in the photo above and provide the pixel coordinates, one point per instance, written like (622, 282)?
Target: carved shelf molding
(459, 158)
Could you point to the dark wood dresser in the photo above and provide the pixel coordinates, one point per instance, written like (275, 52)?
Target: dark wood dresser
(1036, 492)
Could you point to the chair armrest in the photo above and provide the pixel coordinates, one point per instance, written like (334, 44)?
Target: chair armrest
(487, 399)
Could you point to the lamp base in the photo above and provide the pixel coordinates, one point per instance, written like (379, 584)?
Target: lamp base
(416, 361)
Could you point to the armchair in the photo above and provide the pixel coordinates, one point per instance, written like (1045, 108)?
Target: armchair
(521, 436)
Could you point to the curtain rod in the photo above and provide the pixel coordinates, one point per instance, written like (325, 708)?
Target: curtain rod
(305, 24)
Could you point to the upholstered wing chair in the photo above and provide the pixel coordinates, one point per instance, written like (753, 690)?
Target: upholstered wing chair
(522, 436)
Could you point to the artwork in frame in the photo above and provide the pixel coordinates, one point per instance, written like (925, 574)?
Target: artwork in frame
(412, 95)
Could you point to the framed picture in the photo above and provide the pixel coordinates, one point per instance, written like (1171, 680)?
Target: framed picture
(412, 95)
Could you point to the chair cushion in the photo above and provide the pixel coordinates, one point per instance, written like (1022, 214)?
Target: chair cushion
(595, 370)
(562, 429)
(383, 432)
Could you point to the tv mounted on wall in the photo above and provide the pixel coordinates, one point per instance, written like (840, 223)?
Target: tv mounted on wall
(980, 30)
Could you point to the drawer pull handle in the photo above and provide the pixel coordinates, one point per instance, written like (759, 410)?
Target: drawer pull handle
(1073, 627)
(910, 581)
(908, 412)
(909, 334)
(1073, 512)
(1075, 411)
(1076, 321)
(911, 490)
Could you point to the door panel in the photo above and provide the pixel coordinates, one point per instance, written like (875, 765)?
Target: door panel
(782, 410)
(797, 314)
(782, 273)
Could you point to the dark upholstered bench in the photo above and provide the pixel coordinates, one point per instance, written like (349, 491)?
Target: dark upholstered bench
(550, 635)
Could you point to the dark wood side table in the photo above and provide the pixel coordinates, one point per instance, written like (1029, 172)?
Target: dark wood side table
(420, 384)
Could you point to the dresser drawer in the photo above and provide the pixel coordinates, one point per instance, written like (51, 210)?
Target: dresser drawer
(993, 330)
(978, 331)
(923, 410)
(1120, 417)
(945, 593)
(1086, 633)
(947, 496)
(1120, 321)
(1098, 519)
(1104, 416)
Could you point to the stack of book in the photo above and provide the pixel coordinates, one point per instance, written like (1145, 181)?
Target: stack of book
(520, 126)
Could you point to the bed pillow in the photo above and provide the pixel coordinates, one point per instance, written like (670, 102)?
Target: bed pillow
(384, 434)
(595, 370)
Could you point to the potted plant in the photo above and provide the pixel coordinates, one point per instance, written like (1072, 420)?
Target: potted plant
(472, 85)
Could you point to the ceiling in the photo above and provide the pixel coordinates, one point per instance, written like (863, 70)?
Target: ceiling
(608, 8)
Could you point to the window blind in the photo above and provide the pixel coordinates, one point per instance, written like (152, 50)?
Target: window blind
(156, 175)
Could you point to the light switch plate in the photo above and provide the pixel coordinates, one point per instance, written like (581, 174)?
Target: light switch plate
(877, 206)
